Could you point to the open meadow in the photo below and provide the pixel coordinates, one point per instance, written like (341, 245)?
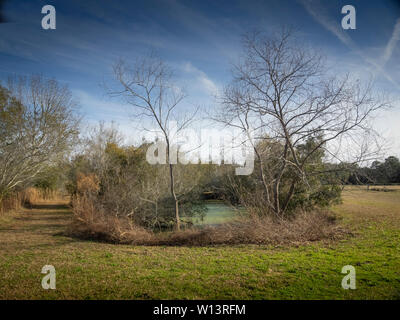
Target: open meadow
(92, 270)
(200, 150)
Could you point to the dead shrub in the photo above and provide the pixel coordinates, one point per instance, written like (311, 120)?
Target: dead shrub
(11, 202)
(32, 196)
(91, 222)
(84, 209)
(18, 199)
(87, 184)
(306, 227)
(113, 230)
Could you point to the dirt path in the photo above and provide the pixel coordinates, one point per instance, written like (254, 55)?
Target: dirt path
(40, 225)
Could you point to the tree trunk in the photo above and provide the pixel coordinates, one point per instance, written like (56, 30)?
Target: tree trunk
(2, 195)
(172, 187)
(276, 199)
(277, 205)
(263, 179)
(289, 197)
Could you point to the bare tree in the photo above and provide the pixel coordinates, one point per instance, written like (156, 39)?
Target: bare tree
(148, 87)
(282, 96)
(37, 127)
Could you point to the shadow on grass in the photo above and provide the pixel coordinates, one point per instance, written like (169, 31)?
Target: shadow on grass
(49, 218)
(48, 207)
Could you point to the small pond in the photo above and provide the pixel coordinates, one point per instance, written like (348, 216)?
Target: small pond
(217, 212)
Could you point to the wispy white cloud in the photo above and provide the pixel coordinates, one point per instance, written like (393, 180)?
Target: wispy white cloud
(221, 34)
(391, 44)
(319, 14)
(201, 78)
(386, 123)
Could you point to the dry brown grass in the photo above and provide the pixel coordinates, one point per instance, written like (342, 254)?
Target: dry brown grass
(112, 230)
(35, 195)
(11, 203)
(86, 184)
(27, 198)
(90, 222)
(306, 227)
(313, 226)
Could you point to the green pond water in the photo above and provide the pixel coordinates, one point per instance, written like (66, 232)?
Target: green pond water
(217, 212)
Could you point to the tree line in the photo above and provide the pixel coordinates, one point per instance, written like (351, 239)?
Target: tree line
(385, 172)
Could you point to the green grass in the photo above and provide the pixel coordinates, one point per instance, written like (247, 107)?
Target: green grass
(90, 270)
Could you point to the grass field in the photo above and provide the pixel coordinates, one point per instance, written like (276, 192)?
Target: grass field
(90, 270)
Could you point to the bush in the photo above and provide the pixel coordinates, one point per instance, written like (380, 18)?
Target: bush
(305, 227)
(119, 182)
(11, 202)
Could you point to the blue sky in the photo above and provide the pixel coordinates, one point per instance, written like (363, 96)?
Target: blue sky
(200, 39)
